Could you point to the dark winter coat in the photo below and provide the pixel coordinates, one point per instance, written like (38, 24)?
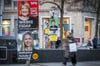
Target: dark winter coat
(67, 53)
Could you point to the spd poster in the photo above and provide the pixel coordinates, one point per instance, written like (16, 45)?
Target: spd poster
(27, 29)
(28, 13)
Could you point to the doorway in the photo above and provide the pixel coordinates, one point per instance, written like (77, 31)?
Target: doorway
(88, 22)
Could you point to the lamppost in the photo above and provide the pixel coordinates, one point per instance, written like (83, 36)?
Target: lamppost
(61, 7)
(61, 20)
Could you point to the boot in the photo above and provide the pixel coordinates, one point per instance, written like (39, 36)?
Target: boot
(65, 61)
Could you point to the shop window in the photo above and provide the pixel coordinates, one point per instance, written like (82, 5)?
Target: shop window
(6, 27)
(49, 37)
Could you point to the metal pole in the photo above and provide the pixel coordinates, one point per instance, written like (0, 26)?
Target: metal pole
(27, 62)
(53, 44)
(61, 20)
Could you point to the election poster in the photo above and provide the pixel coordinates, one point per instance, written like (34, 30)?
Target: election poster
(28, 13)
(53, 26)
(27, 27)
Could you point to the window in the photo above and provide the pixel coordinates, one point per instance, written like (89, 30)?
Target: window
(6, 27)
(7, 4)
(15, 5)
(10, 5)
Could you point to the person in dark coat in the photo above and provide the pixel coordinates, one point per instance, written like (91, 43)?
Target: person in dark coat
(68, 54)
(58, 42)
(94, 42)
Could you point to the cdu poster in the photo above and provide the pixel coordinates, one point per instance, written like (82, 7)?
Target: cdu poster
(27, 28)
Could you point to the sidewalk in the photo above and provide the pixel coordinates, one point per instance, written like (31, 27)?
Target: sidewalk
(88, 63)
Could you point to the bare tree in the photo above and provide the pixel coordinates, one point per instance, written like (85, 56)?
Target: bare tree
(97, 16)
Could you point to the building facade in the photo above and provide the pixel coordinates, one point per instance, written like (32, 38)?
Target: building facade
(81, 19)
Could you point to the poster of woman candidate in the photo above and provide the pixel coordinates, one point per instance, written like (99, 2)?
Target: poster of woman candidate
(28, 13)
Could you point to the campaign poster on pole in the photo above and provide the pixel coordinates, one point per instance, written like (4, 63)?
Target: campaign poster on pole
(27, 27)
(53, 26)
(53, 29)
(28, 13)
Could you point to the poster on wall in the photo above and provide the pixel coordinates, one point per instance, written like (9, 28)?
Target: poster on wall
(27, 31)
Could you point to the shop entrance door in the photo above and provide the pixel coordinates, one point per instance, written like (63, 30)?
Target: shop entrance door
(87, 30)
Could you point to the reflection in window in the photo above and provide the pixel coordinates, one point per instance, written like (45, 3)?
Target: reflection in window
(6, 28)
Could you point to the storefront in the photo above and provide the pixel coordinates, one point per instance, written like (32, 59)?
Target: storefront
(83, 27)
(46, 42)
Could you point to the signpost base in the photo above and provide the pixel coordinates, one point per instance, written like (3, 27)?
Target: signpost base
(53, 45)
(27, 62)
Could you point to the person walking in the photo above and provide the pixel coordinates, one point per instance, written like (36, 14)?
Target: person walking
(68, 54)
